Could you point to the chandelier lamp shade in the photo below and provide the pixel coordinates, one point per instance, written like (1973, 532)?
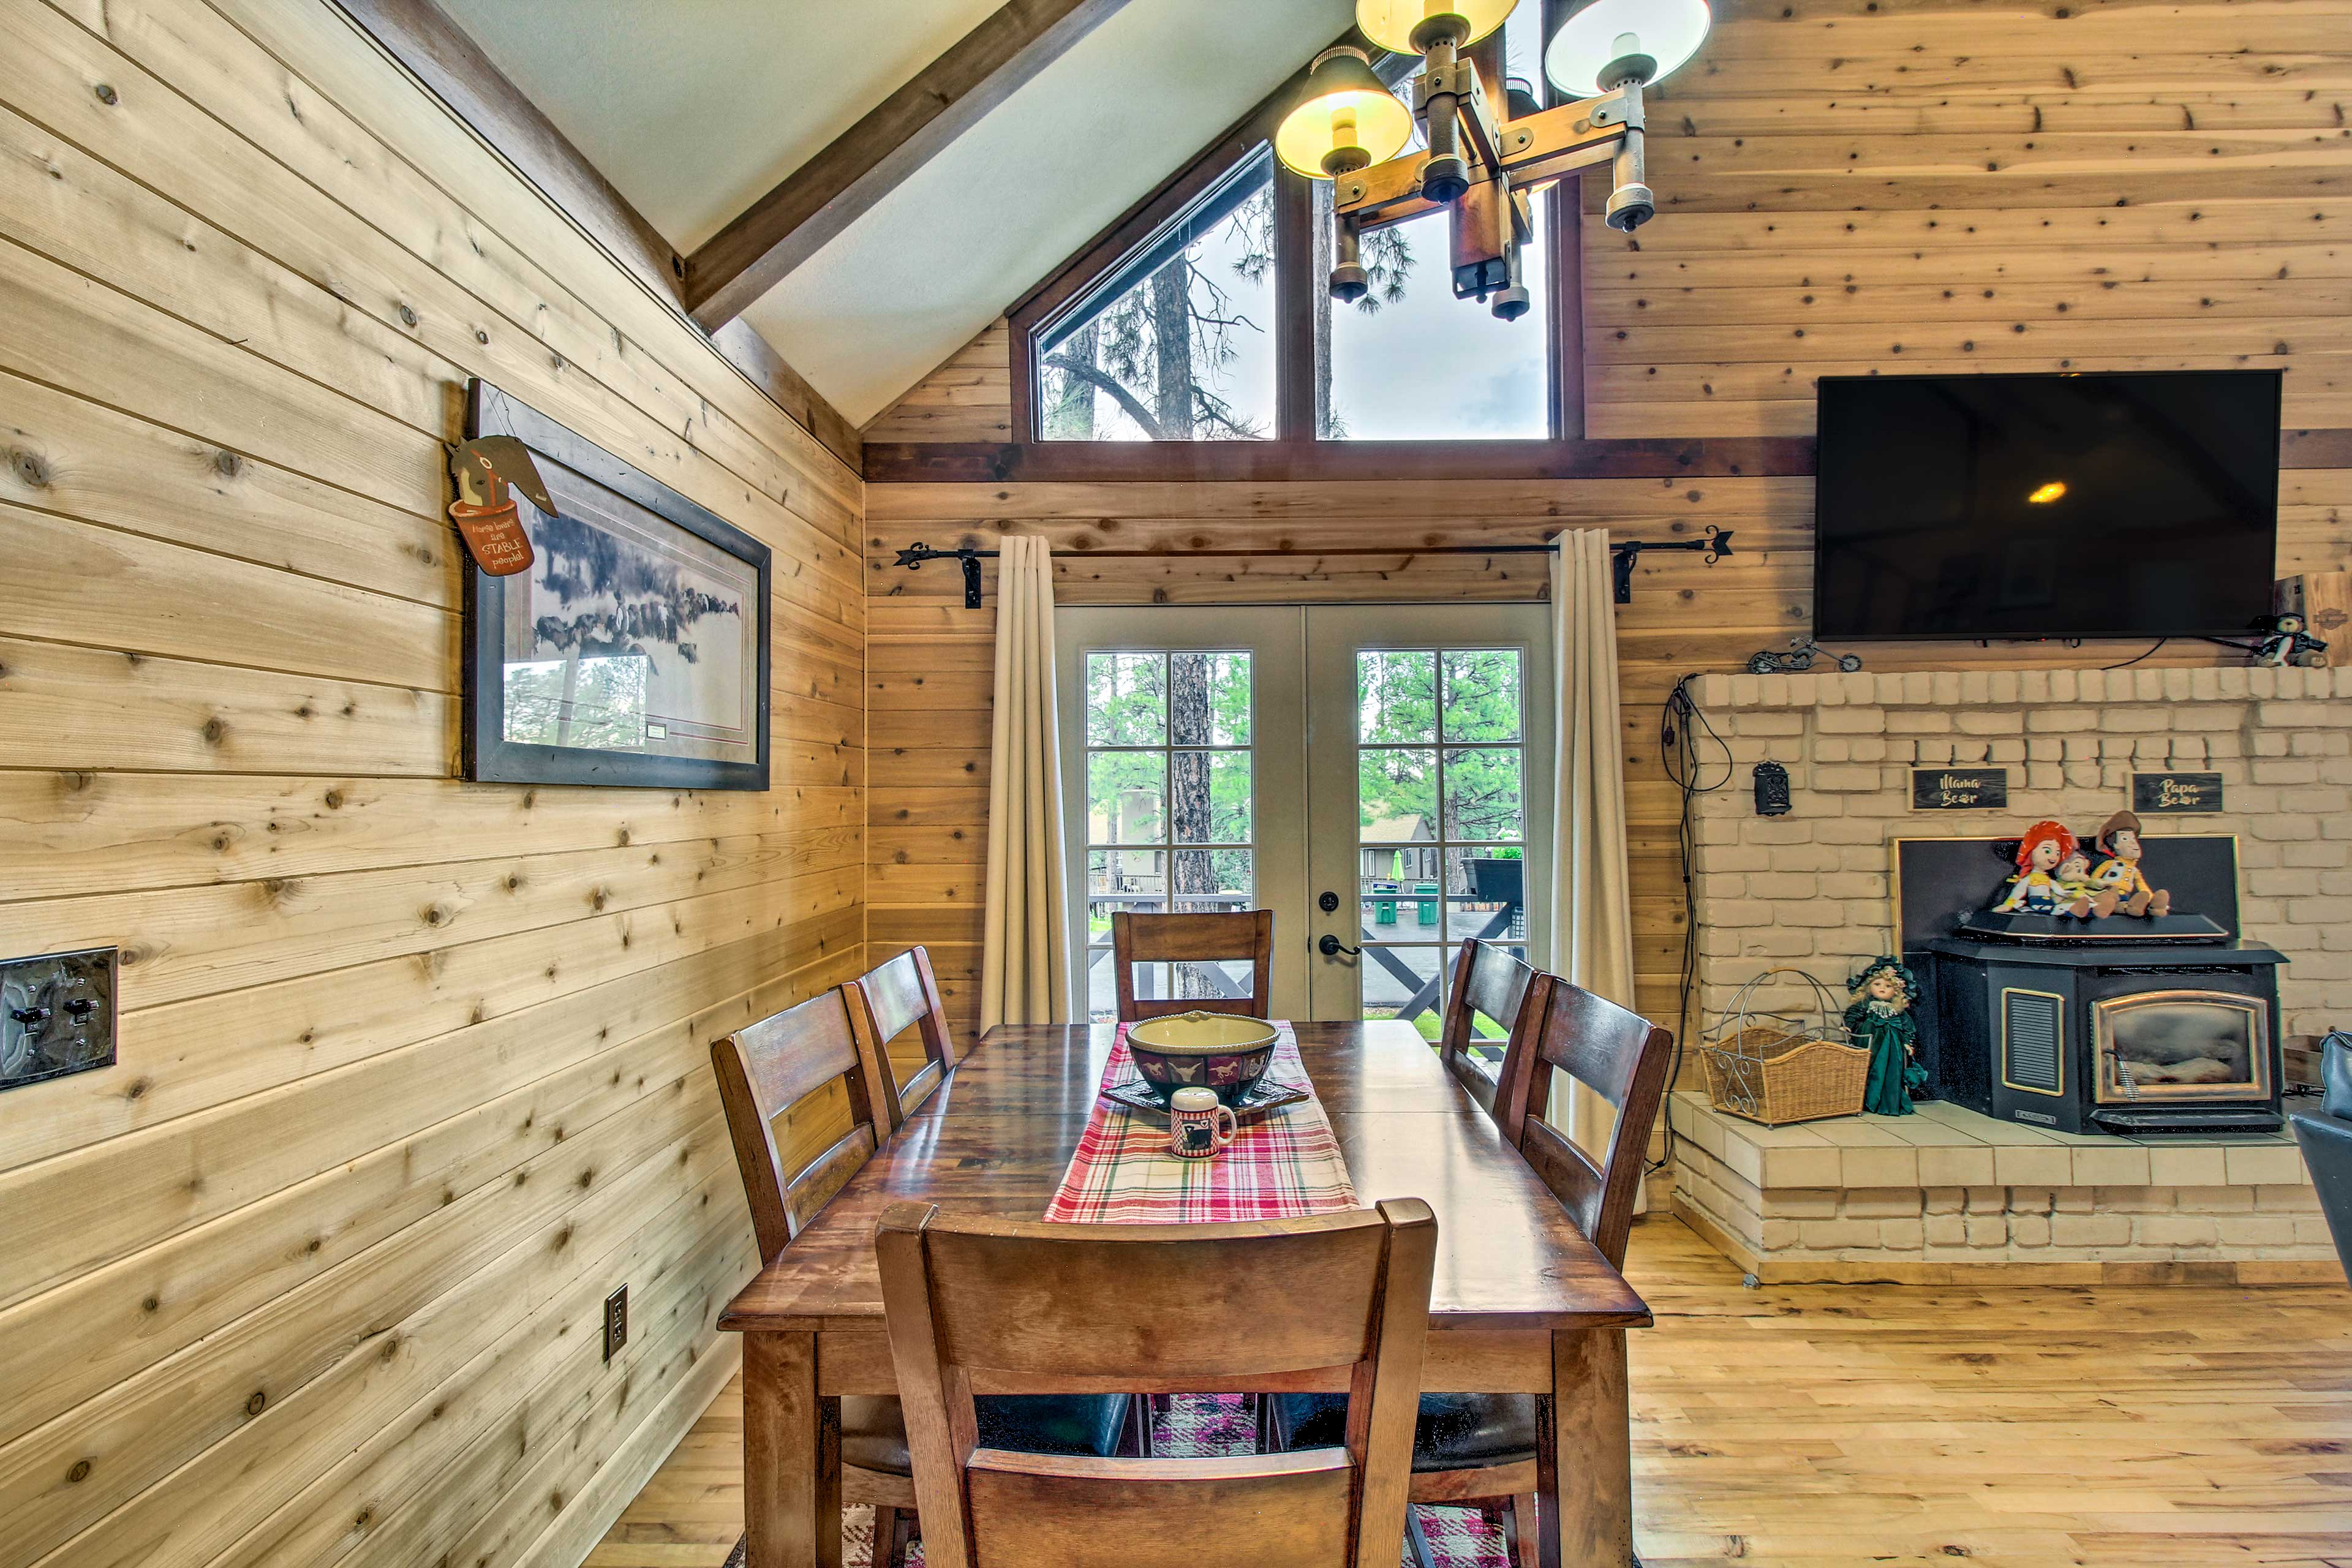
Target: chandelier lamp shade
(1486, 145)
(1346, 120)
(1611, 42)
(1411, 26)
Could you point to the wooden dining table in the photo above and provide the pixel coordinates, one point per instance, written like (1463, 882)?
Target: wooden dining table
(1520, 1304)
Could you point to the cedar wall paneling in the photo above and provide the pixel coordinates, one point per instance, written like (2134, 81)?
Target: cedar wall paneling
(1847, 186)
(413, 1072)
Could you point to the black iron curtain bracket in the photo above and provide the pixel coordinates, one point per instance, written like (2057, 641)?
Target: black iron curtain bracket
(913, 557)
(1715, 544)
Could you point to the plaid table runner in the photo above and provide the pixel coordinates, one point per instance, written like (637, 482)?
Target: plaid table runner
(1286, 1162)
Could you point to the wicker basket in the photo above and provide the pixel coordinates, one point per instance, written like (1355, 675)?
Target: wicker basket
(1776, 1068)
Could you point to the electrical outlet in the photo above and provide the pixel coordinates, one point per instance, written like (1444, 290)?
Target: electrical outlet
(616, 1321)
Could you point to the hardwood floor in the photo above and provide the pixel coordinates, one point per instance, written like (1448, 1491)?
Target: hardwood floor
(2157, 1427)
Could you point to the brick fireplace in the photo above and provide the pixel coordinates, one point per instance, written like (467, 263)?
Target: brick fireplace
(1813, 889)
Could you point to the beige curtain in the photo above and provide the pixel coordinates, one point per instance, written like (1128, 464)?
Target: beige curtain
(1025, 974)
(1591, 906)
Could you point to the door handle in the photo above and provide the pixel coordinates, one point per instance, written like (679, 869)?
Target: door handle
(1332, 947)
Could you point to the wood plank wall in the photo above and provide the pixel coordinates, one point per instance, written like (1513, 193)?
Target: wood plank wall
(412, 1072)
(1845, 184)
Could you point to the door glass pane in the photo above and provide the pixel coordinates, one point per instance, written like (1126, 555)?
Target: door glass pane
(1211, 984)
(1210, 699)
(1396, 697)
(1396, 795)
(1402, 982)
(1153, 781)
(1209, 797)
(1482, 793)
(1482, 695)
(1441, 830)
(1399, 893)
(1126, 798)
(1126, 700)
(1212, 879)
(1125, 879)
(1101, 983)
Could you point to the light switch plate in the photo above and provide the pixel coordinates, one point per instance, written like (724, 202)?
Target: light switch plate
(616, 1321)
(57, 1015)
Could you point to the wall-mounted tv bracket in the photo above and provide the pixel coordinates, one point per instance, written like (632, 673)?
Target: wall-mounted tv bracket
(1715, 544)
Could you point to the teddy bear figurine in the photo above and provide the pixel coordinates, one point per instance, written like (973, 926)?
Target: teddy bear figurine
(2078, 894)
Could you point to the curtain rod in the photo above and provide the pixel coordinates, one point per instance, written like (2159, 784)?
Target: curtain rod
(1623, 554)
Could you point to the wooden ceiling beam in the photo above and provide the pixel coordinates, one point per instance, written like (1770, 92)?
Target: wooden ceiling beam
(438, 53)
(845, 180)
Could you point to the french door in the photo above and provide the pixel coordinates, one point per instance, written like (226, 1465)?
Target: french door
(1379, 776)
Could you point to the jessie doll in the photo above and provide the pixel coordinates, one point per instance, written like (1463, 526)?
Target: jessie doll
(2034, 890)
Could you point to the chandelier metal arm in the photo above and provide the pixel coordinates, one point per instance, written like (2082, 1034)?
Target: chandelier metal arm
(1538, 147)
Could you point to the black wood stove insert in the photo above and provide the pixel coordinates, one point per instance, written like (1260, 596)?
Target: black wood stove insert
(2112, 1024)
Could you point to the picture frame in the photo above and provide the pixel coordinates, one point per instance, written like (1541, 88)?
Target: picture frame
(634, 652)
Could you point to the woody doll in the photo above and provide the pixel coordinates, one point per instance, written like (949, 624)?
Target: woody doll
(2120, 873)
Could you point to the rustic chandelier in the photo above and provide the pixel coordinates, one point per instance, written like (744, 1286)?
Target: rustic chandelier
(1487, 147)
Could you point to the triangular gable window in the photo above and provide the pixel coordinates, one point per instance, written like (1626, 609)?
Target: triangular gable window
(1176, 343)
(1205, 315)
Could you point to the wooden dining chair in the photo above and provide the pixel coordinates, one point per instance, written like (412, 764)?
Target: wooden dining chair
(1210, 937)
(1480, 1450)
(782, 1071)
(977, 1304)
(884, 1002)
(1490, 982)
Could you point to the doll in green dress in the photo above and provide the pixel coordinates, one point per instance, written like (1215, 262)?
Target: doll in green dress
(1879, 1017)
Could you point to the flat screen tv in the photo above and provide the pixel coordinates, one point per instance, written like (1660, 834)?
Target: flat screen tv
(2057, 506)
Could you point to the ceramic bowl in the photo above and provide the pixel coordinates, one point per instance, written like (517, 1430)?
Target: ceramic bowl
(1213, 1050)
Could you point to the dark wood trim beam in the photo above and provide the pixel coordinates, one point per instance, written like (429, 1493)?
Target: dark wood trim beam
(421, 36)
(1271, 462)
(847, 177)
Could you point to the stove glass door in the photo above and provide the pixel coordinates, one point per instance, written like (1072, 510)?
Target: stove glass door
(2160, 1047)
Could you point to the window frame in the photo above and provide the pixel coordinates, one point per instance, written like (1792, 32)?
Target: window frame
(1110, 258)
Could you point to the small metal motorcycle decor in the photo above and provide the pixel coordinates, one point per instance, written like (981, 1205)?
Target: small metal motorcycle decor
(1802, 652)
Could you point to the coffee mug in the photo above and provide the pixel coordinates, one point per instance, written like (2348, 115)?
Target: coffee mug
(1198, 1124)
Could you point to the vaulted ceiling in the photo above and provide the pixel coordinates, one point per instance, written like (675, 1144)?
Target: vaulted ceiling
(693, 109)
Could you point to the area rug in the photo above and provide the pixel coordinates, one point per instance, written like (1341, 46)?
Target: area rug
(1205, 1426)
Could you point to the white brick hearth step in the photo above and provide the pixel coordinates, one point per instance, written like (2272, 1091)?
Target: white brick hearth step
(1948, 1195)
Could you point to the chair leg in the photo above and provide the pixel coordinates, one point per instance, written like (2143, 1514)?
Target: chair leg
(893, 1532)
(1416, 1540)
(1135, 1438)
(1526, 1545)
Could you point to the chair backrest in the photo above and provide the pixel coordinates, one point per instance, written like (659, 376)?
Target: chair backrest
(1490, 981)
(983, 1306)
(883, 1002)
(1206, 938)
(1616, 1054)
(765, 1068)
